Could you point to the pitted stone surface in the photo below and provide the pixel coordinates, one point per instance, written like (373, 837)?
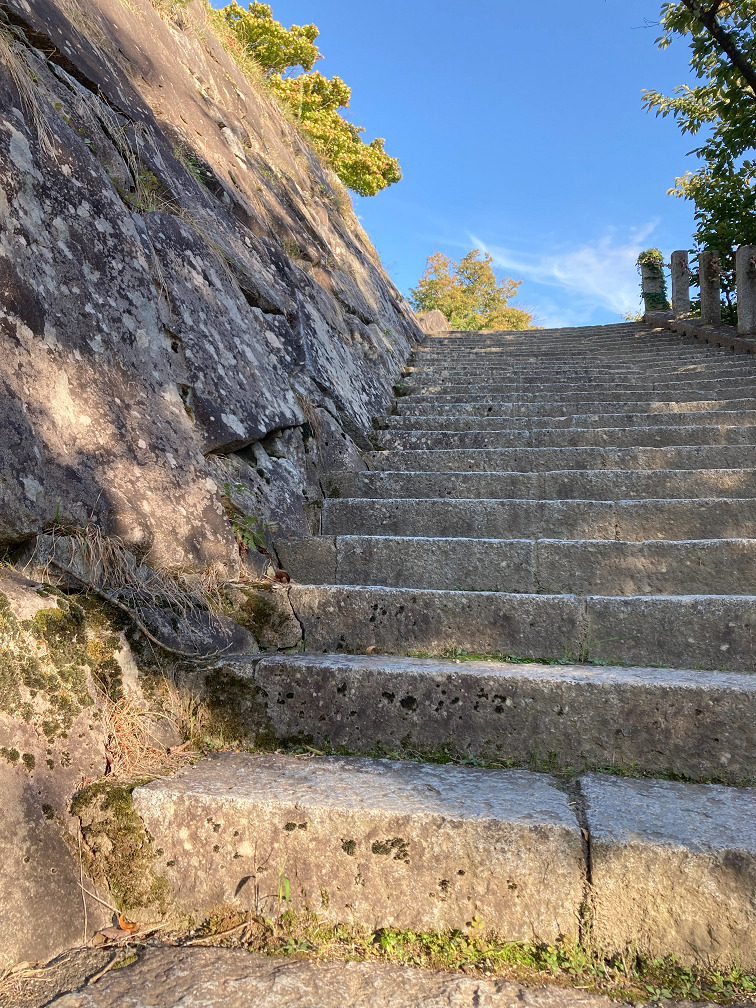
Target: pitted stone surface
(226, 978)
(692, 723)
(673, 868)
(355, 836)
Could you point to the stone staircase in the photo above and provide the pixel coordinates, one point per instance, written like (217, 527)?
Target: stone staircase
(575, 509)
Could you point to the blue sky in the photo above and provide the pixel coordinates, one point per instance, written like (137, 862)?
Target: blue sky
(519, 129)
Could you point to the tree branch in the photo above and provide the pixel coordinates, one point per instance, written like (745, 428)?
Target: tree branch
(728, 45)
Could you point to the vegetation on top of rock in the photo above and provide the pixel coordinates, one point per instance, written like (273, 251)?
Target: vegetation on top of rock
(723, 57)
(311, 100)
(468, 294)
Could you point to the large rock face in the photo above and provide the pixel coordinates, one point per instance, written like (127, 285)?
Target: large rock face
(190, 312)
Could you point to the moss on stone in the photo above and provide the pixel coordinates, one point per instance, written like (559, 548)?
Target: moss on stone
(238, 709)
(117, 848)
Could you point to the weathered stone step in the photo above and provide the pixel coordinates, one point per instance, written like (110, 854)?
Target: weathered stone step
(354, 838)
(656, 721)
(618, 437)
(564, 484)
(406, 406)
(565, 359)
(466, 422)
(626, 520)
(742, 391)
(704, 631)
(585, 567)
(487, 385)
(528, 460)
(708, 369)
(219, 977)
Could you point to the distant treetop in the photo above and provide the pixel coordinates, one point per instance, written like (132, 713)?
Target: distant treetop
(468, 294)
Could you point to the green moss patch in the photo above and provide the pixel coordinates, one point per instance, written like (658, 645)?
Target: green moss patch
(118, 850)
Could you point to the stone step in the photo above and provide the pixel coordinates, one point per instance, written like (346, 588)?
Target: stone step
(529, 460)
(220, 977)
(708, 369)
(618, 437)
(485, 382)
(743, 391)
(353, 838)
(407, 407)
(655, 721)
(624, 520)
(466, 422)
(566, 359)
(554, 566)
(564, 484)
(704, 631)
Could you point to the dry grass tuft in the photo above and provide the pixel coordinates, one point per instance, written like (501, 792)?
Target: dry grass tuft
(130, 746)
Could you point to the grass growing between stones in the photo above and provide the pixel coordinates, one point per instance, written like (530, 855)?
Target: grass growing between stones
(628, 977)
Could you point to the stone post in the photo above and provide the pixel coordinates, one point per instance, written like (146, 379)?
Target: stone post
(745, 281)
(680, 284)
(653, 287)
(708, 278)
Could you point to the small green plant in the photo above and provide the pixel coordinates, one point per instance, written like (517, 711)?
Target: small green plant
(252, 532)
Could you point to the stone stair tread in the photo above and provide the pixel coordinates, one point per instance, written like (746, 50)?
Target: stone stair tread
(722, 566)
(713, 631)
(656, 720)
(353, 835)
(361, 830)
(537, 459)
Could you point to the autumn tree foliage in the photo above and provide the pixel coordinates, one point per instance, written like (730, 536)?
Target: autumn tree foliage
(312, 100)
(468, 294)
(722, 110)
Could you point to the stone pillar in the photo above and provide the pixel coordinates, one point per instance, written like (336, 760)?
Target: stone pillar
(680, 284)
(653, 287)
(708, 279)
(745, 281)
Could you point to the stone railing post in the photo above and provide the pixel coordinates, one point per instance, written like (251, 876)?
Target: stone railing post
(653, 286)
(680, 284)
(745, 282)
(709, 282)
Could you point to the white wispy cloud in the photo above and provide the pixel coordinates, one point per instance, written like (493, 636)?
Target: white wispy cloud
(597, 274)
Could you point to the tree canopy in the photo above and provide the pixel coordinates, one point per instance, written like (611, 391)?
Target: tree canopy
(722, 109)
(311, 99)
(468, 294)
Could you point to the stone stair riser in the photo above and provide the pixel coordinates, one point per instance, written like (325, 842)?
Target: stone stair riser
(558, 407)
(396, 440)
(692, 486)
(581, 421)
(627, 520)
(468, 394)
(695, 724)
(528, 460)
(384, 843)
(698, 631)
(591, 567)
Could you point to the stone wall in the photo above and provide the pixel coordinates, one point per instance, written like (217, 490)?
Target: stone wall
(191, 314)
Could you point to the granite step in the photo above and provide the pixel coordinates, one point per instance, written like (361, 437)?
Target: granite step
(708, 369)
(553, 566)
(743, 391)
(689, 723)
(621, 520)
(529, 460)
(714, 388)
(353, 837)
(467, 422)
(545, 407)
(618, 437)
(699, 631)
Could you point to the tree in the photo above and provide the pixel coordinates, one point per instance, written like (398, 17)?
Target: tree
(723, 105)
(311, 99)
(468, 294)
